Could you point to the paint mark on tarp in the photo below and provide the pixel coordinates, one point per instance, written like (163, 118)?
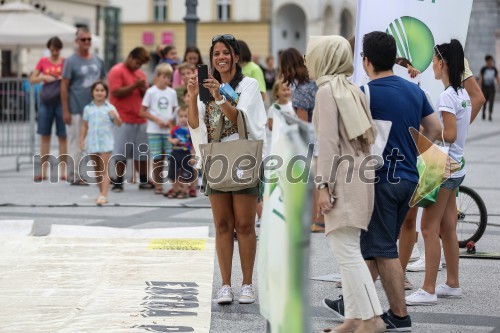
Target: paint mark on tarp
(169, 299)
(161, 328)
(177, 244)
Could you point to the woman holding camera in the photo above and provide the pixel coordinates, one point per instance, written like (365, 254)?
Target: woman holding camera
(231, 210)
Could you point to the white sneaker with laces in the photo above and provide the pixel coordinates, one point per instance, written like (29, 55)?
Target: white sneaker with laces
(421, 297)
(415, 254)
(247, 295)
(225, 295)
(444, 291)
(419, 265)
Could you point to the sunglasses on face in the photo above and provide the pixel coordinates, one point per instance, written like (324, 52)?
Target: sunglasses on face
(85, 39)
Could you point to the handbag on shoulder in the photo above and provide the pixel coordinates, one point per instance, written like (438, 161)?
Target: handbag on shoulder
(232, 165)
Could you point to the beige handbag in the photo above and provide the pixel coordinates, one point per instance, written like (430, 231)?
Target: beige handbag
(232, 165)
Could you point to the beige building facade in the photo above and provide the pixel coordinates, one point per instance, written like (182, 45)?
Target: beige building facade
(266, 25)
(161, 22)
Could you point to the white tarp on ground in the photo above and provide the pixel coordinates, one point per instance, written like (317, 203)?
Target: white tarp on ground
(61, 230)
(16, 227)
(105, 285)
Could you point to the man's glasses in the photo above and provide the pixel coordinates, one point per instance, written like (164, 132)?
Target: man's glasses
(85, 39)
(362, 54)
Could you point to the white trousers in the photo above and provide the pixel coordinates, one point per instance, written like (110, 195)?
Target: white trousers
(360, 297)
(74, 150)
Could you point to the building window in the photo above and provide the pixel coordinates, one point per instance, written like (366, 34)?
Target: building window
(223, 10)
(159, 10)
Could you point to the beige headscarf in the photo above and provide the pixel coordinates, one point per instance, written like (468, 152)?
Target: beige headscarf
(329, 60)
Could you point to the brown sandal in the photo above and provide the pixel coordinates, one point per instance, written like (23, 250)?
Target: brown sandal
(159, 189)
(171, 194)
(181, 195)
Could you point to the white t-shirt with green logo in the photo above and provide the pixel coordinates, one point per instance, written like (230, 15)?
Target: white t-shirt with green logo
(161, 104)
(460, 105)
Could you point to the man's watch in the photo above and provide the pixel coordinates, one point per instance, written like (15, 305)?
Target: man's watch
(222, 101)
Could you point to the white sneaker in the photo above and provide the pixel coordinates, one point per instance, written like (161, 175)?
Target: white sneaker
(247, 295)
(419, 265)
(443, 291)
(421, 297)
(225, 295)
(415, 254)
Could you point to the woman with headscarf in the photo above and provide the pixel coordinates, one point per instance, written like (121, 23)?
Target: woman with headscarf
(344, 130)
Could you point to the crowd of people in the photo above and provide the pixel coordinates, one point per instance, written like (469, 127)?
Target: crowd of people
(120, 114)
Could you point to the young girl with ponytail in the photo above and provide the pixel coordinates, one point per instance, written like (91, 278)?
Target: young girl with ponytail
(440, 219)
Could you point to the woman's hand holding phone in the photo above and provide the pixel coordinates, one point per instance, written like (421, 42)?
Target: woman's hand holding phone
(213, 86)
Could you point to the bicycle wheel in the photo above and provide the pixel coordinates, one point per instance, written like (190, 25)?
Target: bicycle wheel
(472, 216)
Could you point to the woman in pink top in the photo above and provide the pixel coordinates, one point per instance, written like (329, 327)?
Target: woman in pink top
(49, 71)
(192, 56)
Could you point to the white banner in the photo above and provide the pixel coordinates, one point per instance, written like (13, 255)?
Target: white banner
(417, 26)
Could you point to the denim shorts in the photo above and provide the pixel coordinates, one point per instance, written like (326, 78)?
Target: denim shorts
(453, 183)
(389, 211)
(47, 113)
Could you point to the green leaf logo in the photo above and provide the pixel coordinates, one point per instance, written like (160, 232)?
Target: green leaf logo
(414, 41)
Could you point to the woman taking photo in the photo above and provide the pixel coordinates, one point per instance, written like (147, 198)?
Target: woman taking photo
(49, 71)
(231, 210)
(440, 219)
(344, 127)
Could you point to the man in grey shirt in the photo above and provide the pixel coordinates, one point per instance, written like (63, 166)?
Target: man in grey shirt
(80, 71)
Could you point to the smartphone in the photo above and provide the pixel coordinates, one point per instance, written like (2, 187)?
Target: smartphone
(202, 76)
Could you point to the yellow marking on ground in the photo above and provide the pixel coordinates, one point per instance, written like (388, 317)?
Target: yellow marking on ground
(177, 244)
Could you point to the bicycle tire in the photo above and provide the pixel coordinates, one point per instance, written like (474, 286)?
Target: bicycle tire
(462, 214)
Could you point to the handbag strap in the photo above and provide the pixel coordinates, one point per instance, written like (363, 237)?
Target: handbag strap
(241, 124)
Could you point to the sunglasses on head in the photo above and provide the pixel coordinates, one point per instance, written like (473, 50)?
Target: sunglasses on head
(85, 39)
(228, 37)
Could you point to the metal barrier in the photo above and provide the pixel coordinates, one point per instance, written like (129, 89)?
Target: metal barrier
(17, 119)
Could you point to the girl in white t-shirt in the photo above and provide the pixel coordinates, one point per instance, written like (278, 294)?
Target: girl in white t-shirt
(281, 94)
(440, 219)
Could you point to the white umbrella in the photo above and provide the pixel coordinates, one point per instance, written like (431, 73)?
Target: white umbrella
(22, 25)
